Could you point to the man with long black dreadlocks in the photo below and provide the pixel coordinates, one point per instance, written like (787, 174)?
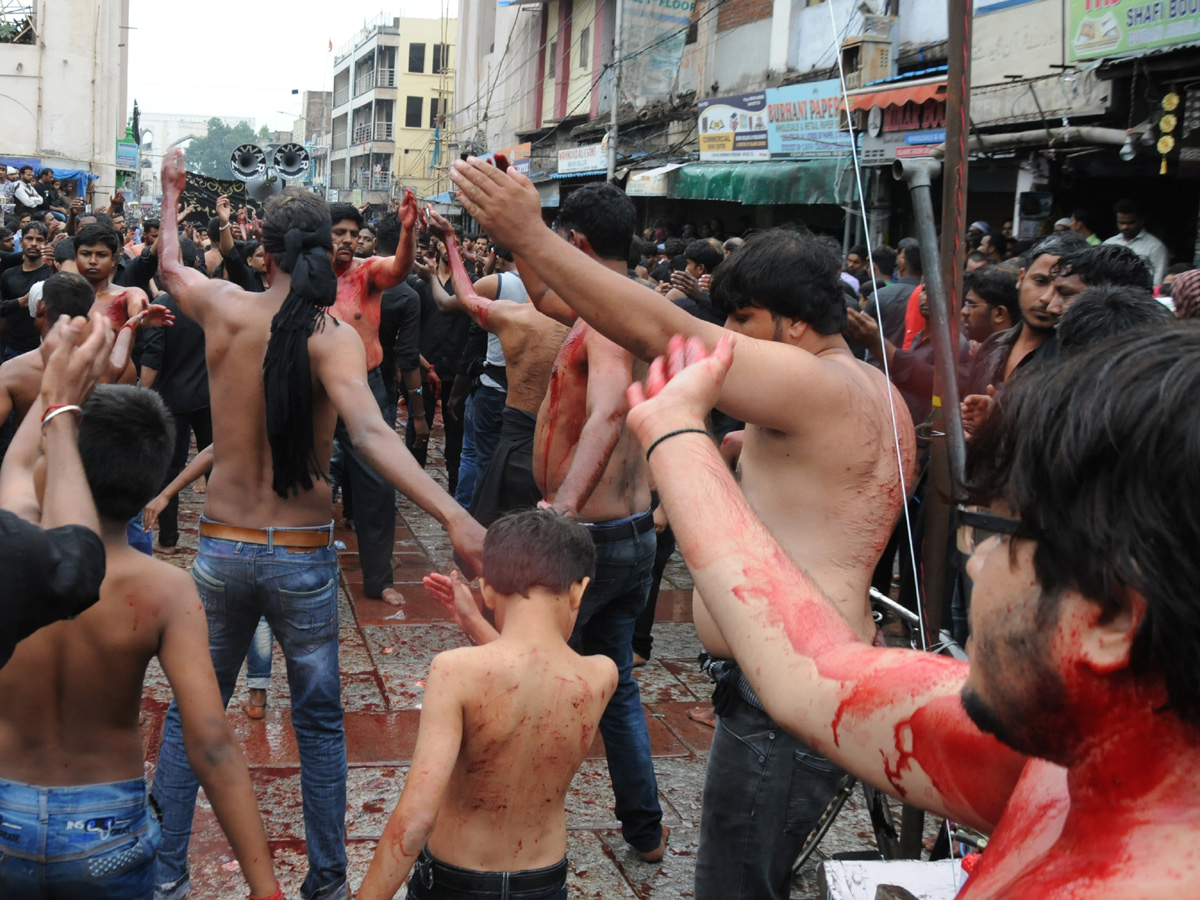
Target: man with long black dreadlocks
(281, 372)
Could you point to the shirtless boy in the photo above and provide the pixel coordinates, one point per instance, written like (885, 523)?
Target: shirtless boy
(69, 740)
(504, 728)
(827, 453)
(360, 286)
(530, 341)
(96, 249)
(1084, 635)
(280, 374)
(587, 465)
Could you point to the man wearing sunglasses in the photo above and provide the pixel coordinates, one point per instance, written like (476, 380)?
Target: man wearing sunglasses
(1072, 734)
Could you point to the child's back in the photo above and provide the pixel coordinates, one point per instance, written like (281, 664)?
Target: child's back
(528, 718)
(504, 726)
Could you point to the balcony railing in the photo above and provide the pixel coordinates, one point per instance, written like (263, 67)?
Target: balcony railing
(341, 97)
(382, 131)
(375, 78)
(339, 141)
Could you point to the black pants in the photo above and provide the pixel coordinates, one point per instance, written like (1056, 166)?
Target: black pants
(200, 422)
(374, 501)
(452, 427)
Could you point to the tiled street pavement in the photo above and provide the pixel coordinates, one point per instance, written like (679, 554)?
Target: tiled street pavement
(385, 655)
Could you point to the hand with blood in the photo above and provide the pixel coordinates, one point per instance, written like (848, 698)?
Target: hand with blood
(681, 387)
(153, 316)
(408, 210)
(174, 176)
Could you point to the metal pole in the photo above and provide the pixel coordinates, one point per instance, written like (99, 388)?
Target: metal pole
(616, 94)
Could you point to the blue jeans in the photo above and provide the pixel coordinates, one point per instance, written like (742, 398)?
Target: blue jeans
(137, 536)
(296, 590)
(467, 464)
(258, 657)
(763, 792)
(488, 421)
(610, 607)
(91, 842)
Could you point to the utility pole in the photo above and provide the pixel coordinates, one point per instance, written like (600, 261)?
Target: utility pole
(616, 94)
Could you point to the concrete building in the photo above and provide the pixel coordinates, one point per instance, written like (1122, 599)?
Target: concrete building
(312, 128)
(63, 94)
(391, 87)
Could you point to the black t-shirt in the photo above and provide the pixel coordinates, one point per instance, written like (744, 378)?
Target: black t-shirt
(399, 332)
(21, 335)
(443, 337)
(177, 353)
(48, 576)
(50, 197)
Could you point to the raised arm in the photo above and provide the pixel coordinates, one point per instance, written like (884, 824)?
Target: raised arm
(438, 741)
(610, 372)
(341, 366)
(475, 300)
(892, 717)
(389, 271)
(191, 290)
(543, 299)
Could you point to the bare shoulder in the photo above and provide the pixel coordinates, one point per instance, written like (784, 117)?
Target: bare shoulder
(601, 672)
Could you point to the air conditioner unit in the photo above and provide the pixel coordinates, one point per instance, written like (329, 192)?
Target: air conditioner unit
(867, 59)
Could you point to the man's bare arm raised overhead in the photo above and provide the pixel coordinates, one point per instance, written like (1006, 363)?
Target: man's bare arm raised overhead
(637, 318)
(892, 717)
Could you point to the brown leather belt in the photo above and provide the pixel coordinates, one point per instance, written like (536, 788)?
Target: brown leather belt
(278, 537)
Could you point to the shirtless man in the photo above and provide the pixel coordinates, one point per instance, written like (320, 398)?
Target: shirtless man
(96, 249)
(504, 728)
(530, 341)
(280, 373)
(588, 466)
(69, 740)
(827, 456)
(360, 286)
(63, 294)
(1083, 629)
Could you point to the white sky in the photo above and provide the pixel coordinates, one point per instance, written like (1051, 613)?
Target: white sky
(258, 52)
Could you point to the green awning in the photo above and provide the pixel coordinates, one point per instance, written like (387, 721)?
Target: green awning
(767, 183)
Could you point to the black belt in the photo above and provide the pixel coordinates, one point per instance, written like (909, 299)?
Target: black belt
(433, 871)
(604, 533)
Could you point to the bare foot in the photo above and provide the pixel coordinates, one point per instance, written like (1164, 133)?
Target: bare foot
(656, 854)
(201, 485)
(169, 551)
(639, 660)
(392, 596)
(255, 706)
(705, 715)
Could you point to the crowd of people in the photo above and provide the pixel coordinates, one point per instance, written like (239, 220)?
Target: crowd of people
(762, 401)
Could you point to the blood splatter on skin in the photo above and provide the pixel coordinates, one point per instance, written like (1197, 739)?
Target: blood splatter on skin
(116, 310)
(564, 409)
(358, 305)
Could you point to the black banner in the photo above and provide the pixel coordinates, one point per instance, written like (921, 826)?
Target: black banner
(202, 193)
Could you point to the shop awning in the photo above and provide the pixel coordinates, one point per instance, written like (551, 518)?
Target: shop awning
(650, 182)
(898, 96)
(773, 183)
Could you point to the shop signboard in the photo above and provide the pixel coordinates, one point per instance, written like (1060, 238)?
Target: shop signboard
(653, 34)
(734, 129)
(127, 154)
(1102, 28)
(905, 131)
(517, 156)
(589, 158)
(805, 120)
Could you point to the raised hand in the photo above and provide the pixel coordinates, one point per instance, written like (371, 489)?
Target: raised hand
(408, 210)
(174, 176)
(503, 201)
(76, 354)
(681, 387)
(153, 316)
(439, 226)
(224, 209)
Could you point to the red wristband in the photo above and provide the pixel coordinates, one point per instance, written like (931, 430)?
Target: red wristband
(130, 324)
(278, 895)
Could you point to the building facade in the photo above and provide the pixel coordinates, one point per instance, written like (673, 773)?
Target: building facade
(63, 81)
(162, 131)
(392, 88)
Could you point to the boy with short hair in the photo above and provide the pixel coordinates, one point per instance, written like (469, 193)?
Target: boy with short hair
(504, 728)
(76, 818)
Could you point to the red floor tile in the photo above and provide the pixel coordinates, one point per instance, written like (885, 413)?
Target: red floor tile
(662, 741)
(692, 734)
(673, 606)
(381, 738)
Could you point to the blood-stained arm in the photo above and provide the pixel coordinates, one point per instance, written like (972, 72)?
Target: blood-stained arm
(610, 372)
(476, 300)
(438, 742)
(458, 598)
(194, 292)
(389, 271)
(802, 391)
(341, 366)
(543, 299)
(894, 718)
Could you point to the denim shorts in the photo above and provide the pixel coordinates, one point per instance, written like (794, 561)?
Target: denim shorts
(93, 841)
